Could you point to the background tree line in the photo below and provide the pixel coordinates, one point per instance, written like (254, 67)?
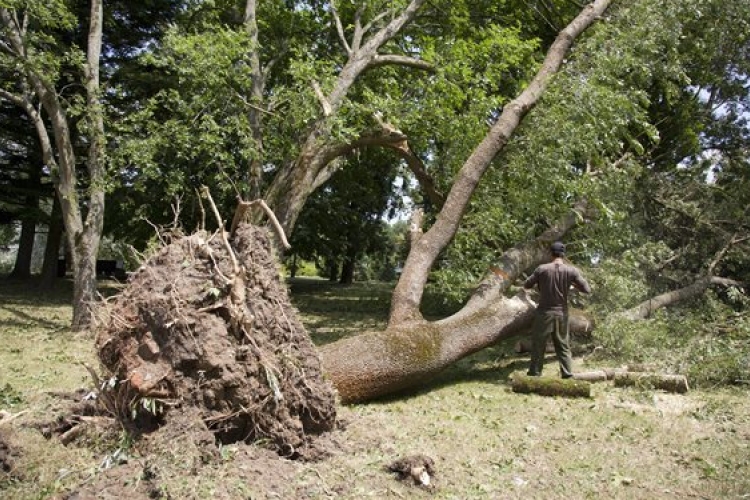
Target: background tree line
(318, 107)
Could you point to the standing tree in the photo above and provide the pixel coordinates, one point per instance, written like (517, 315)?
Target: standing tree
(26, 34)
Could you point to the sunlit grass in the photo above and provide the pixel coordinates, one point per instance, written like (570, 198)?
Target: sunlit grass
(487, 442)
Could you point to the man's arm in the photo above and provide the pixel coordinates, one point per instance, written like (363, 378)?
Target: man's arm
(532, 280)
(580, 283)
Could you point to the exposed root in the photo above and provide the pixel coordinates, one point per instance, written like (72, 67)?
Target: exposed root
(207, 323)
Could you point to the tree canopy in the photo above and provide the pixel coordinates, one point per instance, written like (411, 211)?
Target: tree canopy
(318, 106)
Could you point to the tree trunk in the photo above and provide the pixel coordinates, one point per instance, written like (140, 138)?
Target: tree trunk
(52, 248)
(22, 266)
(84, 290)
(333, 271)
(347, 272)
(378, 363)
(84, 281)
(83, 235)
(347, 268)
(412, 350)
(293, 267)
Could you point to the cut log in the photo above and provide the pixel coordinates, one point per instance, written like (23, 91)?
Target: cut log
(548, 386)
(592, 376)
(669, 383)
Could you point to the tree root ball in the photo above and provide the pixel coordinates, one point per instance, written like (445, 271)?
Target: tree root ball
(207, 323)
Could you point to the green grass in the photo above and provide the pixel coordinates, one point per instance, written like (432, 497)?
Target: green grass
(487, 442)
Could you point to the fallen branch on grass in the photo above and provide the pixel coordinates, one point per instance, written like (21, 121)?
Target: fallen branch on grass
(669, 383)
(548, 386)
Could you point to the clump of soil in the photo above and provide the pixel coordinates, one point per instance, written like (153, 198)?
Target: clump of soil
(419, 469)
(7, 459)
(207, 323)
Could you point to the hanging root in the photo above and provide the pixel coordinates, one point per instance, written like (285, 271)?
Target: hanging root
(242, 208)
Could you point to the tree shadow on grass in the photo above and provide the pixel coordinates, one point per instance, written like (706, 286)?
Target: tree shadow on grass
(24, 319)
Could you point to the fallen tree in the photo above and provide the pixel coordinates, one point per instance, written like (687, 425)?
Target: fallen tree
(412, 349)
(377, 363)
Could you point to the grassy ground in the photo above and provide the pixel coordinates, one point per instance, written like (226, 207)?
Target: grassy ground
(487, 442)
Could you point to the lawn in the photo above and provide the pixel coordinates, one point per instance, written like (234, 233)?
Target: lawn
(486, 441)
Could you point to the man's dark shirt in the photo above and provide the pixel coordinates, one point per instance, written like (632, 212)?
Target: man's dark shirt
(554, 280)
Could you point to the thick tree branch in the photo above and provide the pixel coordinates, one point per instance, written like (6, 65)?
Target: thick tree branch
(397, 60)
(255, 117)
(522, 257)
(362, 55)
(358, 31)
(327, 109)
(16, 47)
(375, 20)
(425, 180)
(647, 307)
(731, 241)
(14, 98)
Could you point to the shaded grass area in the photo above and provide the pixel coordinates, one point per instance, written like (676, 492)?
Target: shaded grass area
(487, 442)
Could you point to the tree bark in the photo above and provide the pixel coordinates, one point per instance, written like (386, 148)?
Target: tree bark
(22, 266)
(52, 248)
(412, 350)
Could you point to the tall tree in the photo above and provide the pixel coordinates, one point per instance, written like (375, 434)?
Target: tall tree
(36, 79)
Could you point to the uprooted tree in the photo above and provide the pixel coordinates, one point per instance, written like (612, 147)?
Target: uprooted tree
(205, 328)
(411, 348)
(206, 323)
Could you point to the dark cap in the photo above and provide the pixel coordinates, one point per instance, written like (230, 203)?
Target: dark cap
(557, 248)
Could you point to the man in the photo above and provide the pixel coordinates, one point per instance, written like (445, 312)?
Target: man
(553, 279)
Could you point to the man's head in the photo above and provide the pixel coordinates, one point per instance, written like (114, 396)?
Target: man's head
(557, 249)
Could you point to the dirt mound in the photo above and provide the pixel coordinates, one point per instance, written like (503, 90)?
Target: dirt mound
(207, 323)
